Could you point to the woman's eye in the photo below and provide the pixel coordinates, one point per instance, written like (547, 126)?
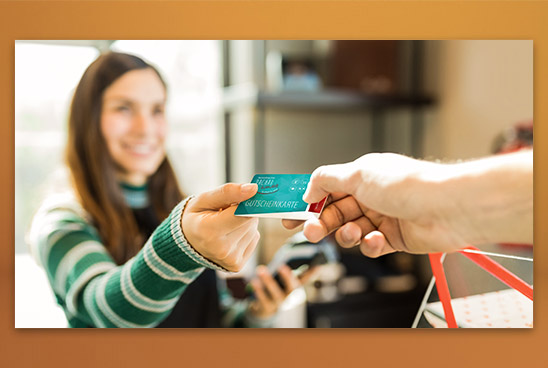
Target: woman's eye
(158, 111)
(122, 108)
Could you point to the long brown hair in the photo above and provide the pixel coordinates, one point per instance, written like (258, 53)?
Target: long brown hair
(92, 169)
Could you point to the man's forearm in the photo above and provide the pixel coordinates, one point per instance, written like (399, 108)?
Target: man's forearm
(491, 199)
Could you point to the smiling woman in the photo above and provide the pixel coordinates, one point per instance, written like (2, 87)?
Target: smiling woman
(134, 125)
(124, 249)
(117, 135)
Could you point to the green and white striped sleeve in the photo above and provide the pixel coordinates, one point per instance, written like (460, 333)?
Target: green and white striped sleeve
(94, 291)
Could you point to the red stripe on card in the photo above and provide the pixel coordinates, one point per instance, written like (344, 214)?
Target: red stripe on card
(317, 207)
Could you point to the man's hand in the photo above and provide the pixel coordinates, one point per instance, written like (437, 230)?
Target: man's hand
(387, 202)
(380, 202)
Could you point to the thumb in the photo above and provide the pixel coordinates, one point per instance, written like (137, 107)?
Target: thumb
(226, 195)
(329, 179)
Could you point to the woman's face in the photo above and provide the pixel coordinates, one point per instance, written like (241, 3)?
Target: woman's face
(133, 124)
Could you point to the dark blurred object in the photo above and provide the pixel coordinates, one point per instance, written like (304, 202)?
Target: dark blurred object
(298, 251)
(518, 137)
(368, 66)
(300, 75)
(381, 292)
(296, 73)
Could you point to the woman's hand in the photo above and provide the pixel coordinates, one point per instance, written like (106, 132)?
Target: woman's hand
(269, 295)
(211, 228)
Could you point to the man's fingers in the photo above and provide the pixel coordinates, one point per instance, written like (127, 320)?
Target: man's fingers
(291, 224)
(314, 230)
(351, 233)
(375, 245)
(333, 216)
(326, 180)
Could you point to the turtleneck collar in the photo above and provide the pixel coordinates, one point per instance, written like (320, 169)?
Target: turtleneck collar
(135, 196)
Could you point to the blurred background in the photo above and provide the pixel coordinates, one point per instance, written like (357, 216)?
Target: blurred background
(236, 108)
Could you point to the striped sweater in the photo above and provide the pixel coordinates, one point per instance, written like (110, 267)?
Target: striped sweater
(95, 292)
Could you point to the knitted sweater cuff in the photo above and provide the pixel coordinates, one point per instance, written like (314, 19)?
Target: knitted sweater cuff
(182, 242)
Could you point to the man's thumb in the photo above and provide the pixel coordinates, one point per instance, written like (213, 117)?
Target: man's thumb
(326, 180)
(226, 195)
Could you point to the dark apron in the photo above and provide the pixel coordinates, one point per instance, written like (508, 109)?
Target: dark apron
(198, 306)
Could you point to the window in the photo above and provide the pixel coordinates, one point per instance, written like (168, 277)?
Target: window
(46, 74)
(45, 78)
(192, 70)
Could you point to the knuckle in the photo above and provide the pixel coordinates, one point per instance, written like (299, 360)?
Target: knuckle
(223, 254)
(318, 173)
(238, 267)
(234, 265)
(339, 215)
(228, 189)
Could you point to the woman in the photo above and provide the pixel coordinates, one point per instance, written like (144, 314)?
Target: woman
(124, 249)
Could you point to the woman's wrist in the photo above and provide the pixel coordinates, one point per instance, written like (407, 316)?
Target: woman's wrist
(187, 247)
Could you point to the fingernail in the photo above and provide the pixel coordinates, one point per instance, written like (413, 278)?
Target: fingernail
(305, 195)
(346, 235)
(248, 188)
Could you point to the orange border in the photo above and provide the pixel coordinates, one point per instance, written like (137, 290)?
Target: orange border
(274, 20)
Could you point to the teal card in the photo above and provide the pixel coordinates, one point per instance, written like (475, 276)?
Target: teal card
(280, 196)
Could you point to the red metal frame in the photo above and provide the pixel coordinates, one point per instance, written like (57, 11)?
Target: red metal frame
(484, 262)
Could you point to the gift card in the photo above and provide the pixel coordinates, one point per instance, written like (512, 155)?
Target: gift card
(280, 196)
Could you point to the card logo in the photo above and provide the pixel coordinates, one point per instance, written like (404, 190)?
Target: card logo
(266, 185)
(298, 185)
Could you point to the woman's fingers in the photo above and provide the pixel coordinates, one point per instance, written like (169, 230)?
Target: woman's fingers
(211, 228)
(224, 196)
(245, 246)
(248, 251)
(239, 245)
(291, 224)
(231, 220)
